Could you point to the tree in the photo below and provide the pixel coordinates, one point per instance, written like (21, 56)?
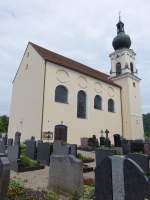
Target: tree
(4, 120)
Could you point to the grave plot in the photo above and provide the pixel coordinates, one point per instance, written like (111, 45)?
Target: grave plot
(19, 162)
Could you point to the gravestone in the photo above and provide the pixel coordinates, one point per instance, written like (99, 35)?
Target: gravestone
(13, 153)
(135, 181)
(17, 138)
(5, 140)
(107, 140)
(66, 174)
(117, 140)
(10, 141)
(31, 150)
(125, 144)
(4, 177)
(61, 133)
(64, 149)
(147, 148)
(137, 146)
(84, 142)
(44, 151)
(73, 150)
(120, 178)
(103, 180)
(2, 147)
(141, 159)
(102, 141)
(101, 154)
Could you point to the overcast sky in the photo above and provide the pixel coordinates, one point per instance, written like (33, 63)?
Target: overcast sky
(80, 29)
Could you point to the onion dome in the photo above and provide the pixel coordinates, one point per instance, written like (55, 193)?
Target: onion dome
(122, 40)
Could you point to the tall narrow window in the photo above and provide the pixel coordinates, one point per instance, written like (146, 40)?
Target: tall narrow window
(131, 67)
(111, 105)
(118, 69)
(61, 94)
(81, 104)
(98, 102)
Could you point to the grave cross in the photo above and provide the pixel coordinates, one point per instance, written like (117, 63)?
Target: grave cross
(107, 132)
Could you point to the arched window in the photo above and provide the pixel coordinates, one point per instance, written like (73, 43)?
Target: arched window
(111, 105)
(131, 67)
(81, 104)
(118, 69)
(98, 102)
(61, 94)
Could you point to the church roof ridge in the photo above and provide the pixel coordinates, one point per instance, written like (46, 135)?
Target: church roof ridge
(53, 57)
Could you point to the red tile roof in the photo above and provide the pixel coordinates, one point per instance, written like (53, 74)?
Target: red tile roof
(71, 64)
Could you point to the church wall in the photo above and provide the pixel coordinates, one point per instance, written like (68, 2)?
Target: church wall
(27, 96)
(96, 120)
(132, 115)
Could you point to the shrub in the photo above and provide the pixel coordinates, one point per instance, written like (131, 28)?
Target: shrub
(84, 158)
(27, 162)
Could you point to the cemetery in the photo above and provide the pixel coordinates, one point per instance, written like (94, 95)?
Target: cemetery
(95, 170)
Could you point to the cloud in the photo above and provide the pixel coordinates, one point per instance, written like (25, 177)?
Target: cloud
(82, 30)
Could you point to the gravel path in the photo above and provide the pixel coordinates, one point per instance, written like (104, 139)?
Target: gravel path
(38, 180)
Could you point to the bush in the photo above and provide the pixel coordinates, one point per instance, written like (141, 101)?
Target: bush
(23, 149)
(84, 158)
(27, 162)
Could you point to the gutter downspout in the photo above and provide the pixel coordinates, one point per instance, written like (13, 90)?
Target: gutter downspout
(43, 99)
(121, 112)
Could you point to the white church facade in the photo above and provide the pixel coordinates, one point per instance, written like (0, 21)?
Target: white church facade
(49, 89)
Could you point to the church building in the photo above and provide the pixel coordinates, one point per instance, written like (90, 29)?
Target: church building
(50, 89)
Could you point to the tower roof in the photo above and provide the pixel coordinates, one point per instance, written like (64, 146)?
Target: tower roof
(122, 40)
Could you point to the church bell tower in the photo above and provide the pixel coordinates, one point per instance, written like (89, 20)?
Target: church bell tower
(124, 73)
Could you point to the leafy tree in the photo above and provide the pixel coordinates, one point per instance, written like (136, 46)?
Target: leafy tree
(4, 120)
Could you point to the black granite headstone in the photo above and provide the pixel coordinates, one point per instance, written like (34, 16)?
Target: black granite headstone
(120, 178)
(125, 146)
(117, 140)
(2, 146)
(102, 141)
(137, 146)
(17, 138)
(103, 181)
(4, 177)
(60, 133)
(141, 159)
(31, 150)
(44, 152)
(5, 140)
(101, 154)
(135, 181)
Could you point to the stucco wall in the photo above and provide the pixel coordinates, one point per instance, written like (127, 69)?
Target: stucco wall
(131, 103)
(27, 96)
(96, 120)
